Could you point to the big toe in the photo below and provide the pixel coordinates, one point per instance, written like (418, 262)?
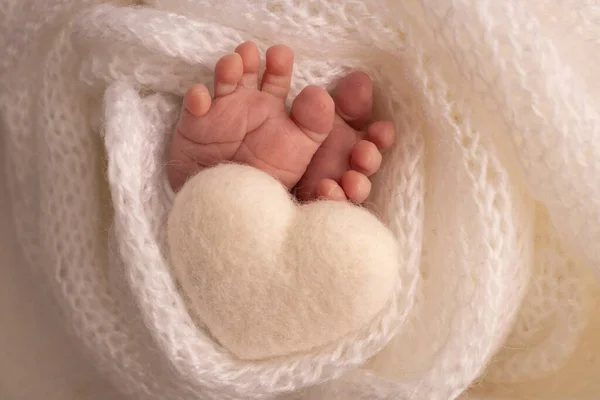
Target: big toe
(313, 112)
(354, 99)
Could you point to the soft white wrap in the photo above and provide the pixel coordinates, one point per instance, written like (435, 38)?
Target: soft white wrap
(492, 191)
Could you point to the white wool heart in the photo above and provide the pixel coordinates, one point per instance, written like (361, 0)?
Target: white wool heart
(269, 277)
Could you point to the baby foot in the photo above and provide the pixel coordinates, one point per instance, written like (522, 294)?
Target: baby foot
(247, 122)
(340, 169)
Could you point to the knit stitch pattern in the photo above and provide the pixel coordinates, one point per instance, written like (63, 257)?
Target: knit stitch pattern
(491, 190)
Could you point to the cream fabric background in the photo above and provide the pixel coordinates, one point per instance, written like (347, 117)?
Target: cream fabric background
(543, 84)
(37, 360)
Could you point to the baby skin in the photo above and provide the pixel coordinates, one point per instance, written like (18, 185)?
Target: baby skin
(322, 149)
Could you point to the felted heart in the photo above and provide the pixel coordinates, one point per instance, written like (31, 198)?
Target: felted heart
(269, 277)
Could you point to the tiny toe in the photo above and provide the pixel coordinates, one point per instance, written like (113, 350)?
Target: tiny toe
(356, 186)
(278, 71)
(354, 99)
(197, 100)
(365, 158)
(382, 134)
(228, 72)
(313, 111)
(328, 189)
(251, 64)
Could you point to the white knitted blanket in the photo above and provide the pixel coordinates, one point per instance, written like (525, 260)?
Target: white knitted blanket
(492, 190)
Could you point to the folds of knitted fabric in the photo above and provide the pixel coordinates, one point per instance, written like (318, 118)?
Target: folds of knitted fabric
(491, 191)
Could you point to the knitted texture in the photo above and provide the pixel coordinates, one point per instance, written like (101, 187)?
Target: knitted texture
(491, 191)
